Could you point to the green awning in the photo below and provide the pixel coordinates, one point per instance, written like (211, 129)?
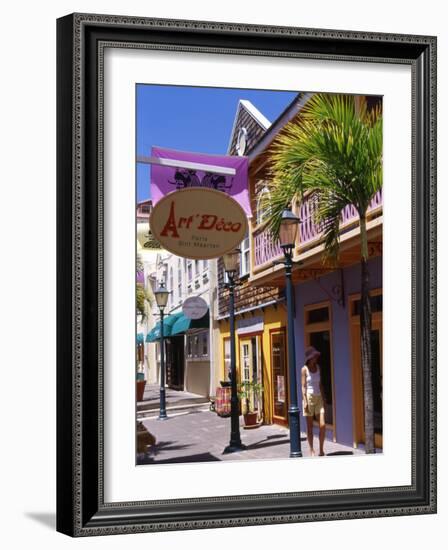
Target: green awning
(184, 323)
(168, 323)
(177, 324)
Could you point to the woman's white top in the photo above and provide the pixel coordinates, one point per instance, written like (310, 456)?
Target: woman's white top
(313, 381)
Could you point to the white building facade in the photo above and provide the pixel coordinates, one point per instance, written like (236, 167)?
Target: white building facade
(189, 344)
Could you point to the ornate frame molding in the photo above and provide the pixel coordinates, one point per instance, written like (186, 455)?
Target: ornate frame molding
(81, 42)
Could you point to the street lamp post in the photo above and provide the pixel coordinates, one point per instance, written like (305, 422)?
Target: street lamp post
(161, 295)
(288, 232)
(230, 266)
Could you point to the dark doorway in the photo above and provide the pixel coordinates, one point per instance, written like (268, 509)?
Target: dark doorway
(175, 362)
(321, 341)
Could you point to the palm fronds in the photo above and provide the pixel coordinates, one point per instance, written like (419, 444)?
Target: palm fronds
(334, 151)
(140, 300)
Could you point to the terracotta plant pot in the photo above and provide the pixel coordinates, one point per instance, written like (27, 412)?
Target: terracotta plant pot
(140, 389)
(250, 418)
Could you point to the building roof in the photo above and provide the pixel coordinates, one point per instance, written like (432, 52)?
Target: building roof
(249, 117)
(286, 116)
(144, 202)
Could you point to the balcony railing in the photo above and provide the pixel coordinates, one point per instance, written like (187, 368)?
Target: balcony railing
(266, 250)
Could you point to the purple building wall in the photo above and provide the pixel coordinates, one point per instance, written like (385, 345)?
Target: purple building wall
(312, 292)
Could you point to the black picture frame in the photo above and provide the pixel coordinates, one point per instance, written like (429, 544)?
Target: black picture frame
(81, 510)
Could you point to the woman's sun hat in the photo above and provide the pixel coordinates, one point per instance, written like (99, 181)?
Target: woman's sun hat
(310, 353)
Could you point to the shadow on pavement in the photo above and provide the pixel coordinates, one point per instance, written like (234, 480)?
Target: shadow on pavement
(265, 443)
(203, 457)
(168, 446)
(339, 453)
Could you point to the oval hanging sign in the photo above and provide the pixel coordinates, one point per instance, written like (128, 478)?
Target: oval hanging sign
(198, 223)
(194, 307)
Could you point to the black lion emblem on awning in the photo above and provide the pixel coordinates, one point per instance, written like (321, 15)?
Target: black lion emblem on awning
(184, 178)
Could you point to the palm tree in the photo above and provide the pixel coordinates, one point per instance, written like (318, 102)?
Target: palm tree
(143, 295)
(140, 301)
(334, 152)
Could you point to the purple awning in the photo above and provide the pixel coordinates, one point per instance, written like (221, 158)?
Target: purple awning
(165, 179)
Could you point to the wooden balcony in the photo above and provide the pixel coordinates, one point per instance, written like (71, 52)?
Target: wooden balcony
(265, 249)
(309, 238)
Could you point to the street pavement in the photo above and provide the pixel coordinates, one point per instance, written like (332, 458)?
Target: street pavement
(200, 435)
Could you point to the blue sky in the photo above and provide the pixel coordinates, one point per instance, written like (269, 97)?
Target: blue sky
(193, 119)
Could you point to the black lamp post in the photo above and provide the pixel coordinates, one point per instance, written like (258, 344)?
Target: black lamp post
(230, 267)
(287, 236)
(161, 295)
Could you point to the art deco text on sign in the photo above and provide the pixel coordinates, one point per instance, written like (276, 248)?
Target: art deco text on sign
(198, 223)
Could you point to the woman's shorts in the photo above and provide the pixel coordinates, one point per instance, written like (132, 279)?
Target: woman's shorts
(315, 405)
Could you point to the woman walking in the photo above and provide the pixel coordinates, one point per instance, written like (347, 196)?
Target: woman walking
(313, 398)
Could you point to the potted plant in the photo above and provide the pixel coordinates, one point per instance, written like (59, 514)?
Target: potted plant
(250, 394)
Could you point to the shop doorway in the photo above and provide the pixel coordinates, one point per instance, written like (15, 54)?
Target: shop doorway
(279, 376)
(251, 369)
(318, 334)
(175, 362)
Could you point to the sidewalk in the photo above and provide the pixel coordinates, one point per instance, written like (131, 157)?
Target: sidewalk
(201, 436)
(175, 401)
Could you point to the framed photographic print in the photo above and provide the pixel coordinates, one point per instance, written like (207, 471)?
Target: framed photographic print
(246, 274)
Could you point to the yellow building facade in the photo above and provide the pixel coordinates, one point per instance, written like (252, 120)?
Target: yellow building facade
(261, 348)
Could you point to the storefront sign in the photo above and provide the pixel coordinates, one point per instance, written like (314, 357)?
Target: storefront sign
(144, 238)
(252, 324)
(194, 307)
(198, 223)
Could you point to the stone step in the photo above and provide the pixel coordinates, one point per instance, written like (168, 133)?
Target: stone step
(153, 404)
(154, 412)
